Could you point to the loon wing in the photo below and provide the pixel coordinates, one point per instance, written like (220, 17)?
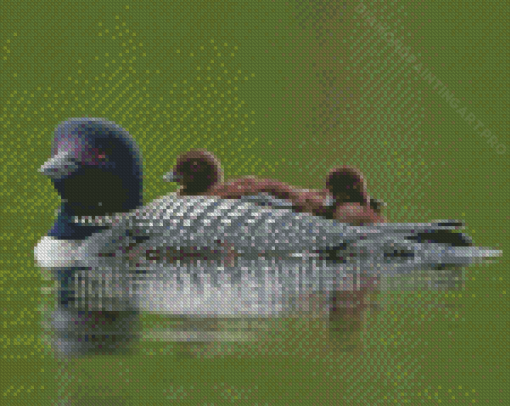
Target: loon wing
(267, 200)
(202, 227)
(203, 222)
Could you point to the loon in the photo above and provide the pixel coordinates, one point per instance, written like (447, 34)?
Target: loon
(113, 256)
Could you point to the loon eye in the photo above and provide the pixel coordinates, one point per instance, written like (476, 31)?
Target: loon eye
(103, 154)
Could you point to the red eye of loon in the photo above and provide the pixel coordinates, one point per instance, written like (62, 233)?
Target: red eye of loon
(99, 154)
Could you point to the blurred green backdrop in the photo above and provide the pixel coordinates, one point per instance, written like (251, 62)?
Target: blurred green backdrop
(282, 89)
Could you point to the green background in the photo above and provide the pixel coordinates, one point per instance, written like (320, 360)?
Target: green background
(286, 90)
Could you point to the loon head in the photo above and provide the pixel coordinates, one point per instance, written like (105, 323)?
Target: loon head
(197, 171)
(96, 167)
